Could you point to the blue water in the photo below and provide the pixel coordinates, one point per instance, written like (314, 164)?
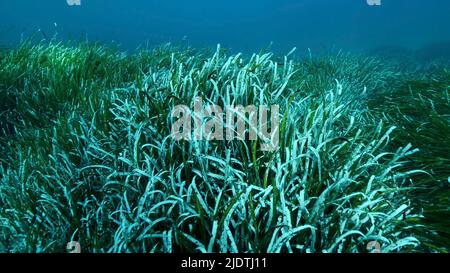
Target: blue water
(241, 25)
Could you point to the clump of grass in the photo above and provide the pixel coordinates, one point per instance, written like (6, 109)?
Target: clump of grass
(420, 106)
(97, 163)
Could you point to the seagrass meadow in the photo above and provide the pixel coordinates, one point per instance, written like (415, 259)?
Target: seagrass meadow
(86, 153)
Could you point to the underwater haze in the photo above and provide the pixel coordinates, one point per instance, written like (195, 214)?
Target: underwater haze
(250, 25)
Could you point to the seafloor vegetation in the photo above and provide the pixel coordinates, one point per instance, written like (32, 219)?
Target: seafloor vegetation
(86, 153)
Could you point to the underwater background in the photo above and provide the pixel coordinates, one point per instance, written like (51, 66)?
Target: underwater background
(87, 151)
(321, 25)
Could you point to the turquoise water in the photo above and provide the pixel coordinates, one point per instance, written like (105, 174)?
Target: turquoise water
(321, 25)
